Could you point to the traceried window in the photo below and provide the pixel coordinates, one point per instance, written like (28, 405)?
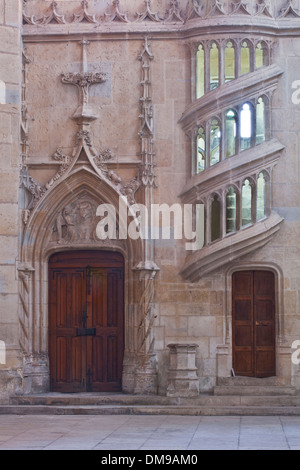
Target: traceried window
(215, 219)
(214, 66)
(215, 142)
(246, 126)
(261, 55)
(261, 197)
(260, 121)
(229, 62)
(231, 133)
(245, 58)
(231, 210)
(200, 72)
(201, 150)
(219, 62)
(229, 128)
(246, 203)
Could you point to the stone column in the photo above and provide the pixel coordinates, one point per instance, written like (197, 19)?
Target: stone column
(182, 378)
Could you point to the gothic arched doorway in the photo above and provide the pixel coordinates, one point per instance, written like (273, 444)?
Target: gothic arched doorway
(86, 321)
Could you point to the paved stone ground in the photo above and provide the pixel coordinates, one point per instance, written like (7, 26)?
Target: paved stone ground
(149, 433)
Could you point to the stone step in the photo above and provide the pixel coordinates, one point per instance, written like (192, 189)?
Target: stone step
(105, 404)
(205, 410)
(228, 399)
(246, 390)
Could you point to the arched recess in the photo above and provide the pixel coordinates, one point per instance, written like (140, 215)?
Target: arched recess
(41, 240)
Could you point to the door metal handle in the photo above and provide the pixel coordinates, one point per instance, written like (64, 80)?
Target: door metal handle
(262, 323)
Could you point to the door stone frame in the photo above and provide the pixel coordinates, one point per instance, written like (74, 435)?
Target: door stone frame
(36, 248)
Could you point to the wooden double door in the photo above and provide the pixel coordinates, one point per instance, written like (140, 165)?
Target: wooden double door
(86, 321)
(253, 323)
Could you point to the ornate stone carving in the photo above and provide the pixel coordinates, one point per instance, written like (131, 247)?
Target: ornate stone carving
(126, 189)
(174, 14)
(24, 113)
(240, 7)
(217, 9)
(194, 11)
(76, 222)
(289, 10)
(25, 312)
(147, 14)
(84, 14)
(32, 187)
(116, 15)
(53, 16)
(147, 166)
(83, 81)
(45, 19)
(265, 8)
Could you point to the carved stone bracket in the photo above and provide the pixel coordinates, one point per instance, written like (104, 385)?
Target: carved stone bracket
(83, 81)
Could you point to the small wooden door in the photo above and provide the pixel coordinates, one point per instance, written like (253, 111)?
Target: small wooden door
(86, 322)
(253, 323)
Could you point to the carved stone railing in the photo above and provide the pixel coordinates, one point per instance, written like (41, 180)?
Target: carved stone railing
(176, 13)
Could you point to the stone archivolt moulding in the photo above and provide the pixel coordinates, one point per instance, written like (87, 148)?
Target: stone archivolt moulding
(68, 163)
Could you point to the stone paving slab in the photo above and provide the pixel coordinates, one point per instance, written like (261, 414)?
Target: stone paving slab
(130, 433)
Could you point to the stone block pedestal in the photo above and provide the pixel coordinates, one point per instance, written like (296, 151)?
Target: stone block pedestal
(182, 377)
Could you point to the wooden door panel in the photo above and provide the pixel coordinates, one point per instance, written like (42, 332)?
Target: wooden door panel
(253, 323)
(243, 363)
(105, 308)
(86, 322)
(67, 302)
(113, 365)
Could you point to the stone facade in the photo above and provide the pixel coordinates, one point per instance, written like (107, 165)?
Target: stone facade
(101, 103)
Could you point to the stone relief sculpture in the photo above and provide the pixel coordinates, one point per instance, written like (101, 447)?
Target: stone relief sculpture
(76, 222)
